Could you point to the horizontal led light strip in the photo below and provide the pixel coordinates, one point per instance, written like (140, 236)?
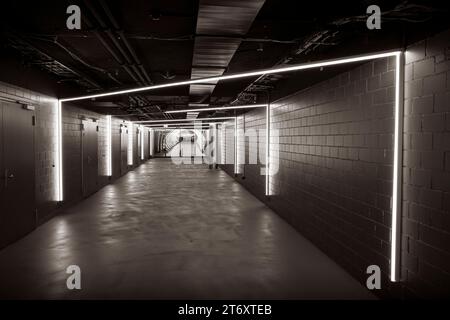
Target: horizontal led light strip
(179, 124)
(181, 127)
(295, 67)
(219, 108)
(182, 120)
(177, 128)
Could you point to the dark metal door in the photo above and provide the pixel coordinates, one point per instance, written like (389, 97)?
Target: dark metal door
(90, 157)
(123, 149)
(17, 200)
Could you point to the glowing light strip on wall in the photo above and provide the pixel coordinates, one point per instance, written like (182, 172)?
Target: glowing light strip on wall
(398, 143)
(235, 147)
(130, 144)
(183, 120)
(166, 125)
(249, 106)
(142, 142)
(150, 151)
(397, 169)
(267, 149)
(59, 160)
(216, 144)
(223, 149)
(108, 147)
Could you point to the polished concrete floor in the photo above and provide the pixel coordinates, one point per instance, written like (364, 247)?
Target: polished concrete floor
(166, 231)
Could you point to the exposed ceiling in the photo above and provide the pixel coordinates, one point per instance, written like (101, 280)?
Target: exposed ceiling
(125, 44)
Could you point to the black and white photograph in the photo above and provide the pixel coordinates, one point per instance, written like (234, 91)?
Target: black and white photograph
(225, 158)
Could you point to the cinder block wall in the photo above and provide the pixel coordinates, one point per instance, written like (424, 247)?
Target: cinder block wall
(334, 182)
(426, 169)
(335, 164)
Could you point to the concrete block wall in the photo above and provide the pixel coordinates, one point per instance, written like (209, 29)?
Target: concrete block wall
(334, 182)
(426, 169)
(253, 125)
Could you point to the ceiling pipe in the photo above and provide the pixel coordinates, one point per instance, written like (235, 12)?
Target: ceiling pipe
(80, 74)
(133, 61)
(108, 48)
(138, 65)
(133, 72)
(108, 32)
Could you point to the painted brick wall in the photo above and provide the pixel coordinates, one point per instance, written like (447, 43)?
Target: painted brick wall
(426, 169)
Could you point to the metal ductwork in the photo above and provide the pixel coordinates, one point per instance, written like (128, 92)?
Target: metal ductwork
(221, 24)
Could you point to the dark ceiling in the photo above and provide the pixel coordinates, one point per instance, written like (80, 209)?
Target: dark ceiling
(124, 44)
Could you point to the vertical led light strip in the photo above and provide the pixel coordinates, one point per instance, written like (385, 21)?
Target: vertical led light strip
(267, 147)
(223, 147)
(130, 144)
(141, 128)
(235, 147)
(216, 144)
(108, 147)
(60, 195)
(397, 168)
(150, 152)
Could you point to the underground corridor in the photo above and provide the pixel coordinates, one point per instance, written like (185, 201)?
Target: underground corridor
(224, 150)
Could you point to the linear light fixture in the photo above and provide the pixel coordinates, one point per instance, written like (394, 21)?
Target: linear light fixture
(108, 147)
(150, 145)
(59, 160)
(267, 149)
(182, 120)
(130, 144)
(249, 106)
(398, 134)
(216, 144)
(260, 72)
(177, 129)
(193, 104)
(182, 127)
(397, 168)
(141, 128)
(235, 147)
(178, 124)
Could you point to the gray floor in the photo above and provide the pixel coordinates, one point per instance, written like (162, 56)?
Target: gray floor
(177, 232)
